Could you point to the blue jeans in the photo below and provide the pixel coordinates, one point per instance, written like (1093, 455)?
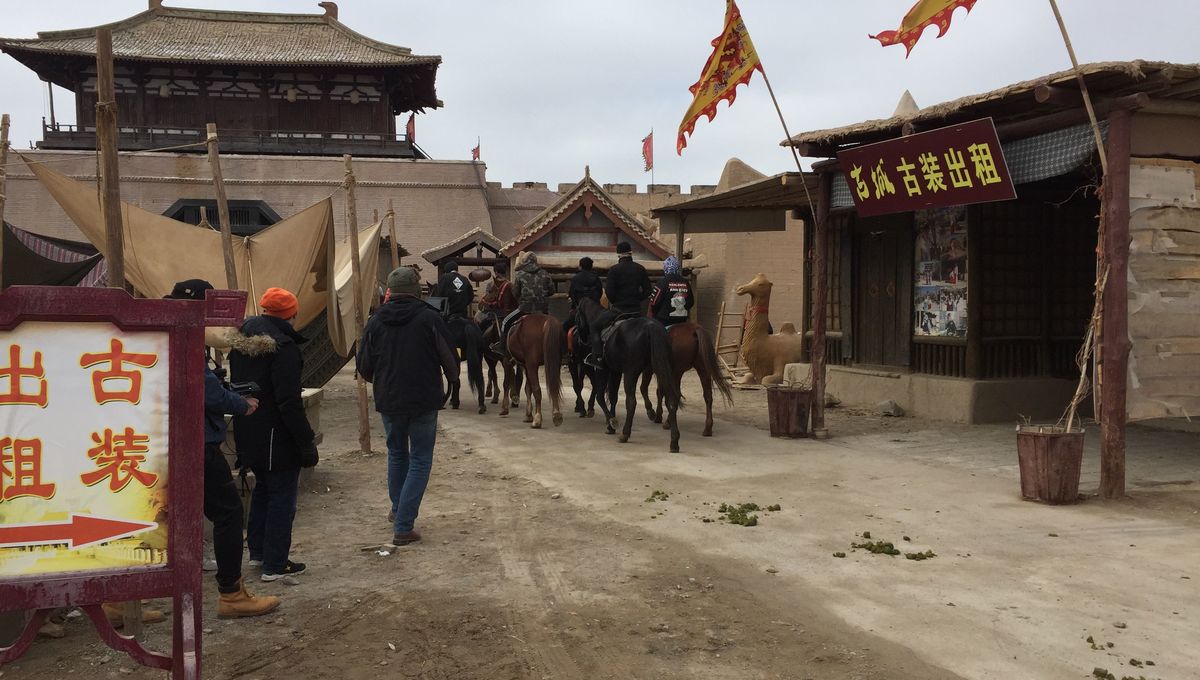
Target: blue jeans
(410, 458)
(272, 510)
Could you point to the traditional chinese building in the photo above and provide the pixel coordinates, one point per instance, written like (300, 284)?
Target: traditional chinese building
(975, 313)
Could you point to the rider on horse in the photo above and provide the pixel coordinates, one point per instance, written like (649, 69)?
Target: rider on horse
(584, 285)
(533, 287)
(497, 302)
(627, 287)
(673, 299)
(456, 289)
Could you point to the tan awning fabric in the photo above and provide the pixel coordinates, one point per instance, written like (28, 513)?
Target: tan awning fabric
(296, 254)
(342, 329)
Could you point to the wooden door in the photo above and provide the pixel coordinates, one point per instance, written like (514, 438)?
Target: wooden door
(883, 291)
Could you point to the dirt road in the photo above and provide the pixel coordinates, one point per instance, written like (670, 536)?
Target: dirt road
(518, 577)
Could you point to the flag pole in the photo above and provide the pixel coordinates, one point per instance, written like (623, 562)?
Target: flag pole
(787, 135)
(652, 155)
(1087, 98)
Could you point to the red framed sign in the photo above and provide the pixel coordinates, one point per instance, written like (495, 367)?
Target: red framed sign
(101, 440)
(955, 165)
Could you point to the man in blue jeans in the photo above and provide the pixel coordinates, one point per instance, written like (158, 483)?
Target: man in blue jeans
(404, 351)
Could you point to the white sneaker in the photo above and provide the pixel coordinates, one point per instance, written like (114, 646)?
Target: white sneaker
(255, 563)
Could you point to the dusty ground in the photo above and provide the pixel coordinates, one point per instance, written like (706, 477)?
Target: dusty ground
(542, 559)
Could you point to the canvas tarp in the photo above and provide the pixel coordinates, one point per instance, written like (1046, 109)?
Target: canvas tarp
(24, 266)
(296, 254)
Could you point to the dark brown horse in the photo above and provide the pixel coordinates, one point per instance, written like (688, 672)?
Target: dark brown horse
(691, 348)
(637, 346)
(535, 340)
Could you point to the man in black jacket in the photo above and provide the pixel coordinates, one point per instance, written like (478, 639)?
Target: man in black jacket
(627, 287)
(222, 505)
(456, 289)
(404, 351)
(673, 299)
(276, 440)
(585, 284)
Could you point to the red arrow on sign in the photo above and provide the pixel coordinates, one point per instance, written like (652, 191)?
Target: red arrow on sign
(78, 532)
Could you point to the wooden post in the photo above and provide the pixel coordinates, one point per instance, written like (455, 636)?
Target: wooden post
(214, 161)
(1115, 343)
(395, 247)
(364, 414)
(820, 289)
(974, 359)
(1087, 98)
(3, 185)
(110, 172)
(679, 236)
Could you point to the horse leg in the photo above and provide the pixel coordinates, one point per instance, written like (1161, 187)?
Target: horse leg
(646, 375)
(610, 413)
(493, 389)
(507, 386)
(519, 378)
(673, 417)
(631, 390)
(454, 403)
(577, 384)
(533, 396)
(591, 406)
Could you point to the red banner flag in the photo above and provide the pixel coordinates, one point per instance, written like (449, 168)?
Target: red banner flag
(732, 63)
(411, 128)
(648, 151)
(475, 153)
(924, 13)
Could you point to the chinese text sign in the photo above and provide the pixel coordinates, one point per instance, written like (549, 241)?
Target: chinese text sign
(83, 448)
(955, 165)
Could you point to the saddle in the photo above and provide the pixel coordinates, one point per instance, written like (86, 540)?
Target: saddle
(612, 327)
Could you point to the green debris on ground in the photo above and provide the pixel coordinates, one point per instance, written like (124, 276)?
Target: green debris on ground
(740, 514)
(839, 554)
(657, 495)
(774, 508)
(920, 556)
(877, 547)
(866, 535)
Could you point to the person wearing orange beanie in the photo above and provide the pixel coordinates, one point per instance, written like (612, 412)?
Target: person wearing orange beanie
(279, 303)
(275, 441)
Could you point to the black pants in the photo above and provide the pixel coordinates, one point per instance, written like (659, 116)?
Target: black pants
(272, 512)
(223, 507)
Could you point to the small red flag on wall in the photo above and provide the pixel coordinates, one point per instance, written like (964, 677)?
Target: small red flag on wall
(411, 128)
(648, 151)
(475, 152)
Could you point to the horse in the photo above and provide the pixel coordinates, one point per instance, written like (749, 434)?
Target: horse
(586, 314)
(635, 346)
(468, 340)
(535, 340)
(491, 330)
(692, 347)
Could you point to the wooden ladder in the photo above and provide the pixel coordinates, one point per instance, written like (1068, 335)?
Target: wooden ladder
(732, 368)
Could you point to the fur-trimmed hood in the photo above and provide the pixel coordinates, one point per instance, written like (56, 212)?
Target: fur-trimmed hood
(262, 335)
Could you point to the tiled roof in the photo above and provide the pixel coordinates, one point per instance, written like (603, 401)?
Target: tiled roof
(227, 37)
(545, 221)
(478, 234)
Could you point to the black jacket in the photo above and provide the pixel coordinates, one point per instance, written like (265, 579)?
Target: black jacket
(405, 349)
(585, 284)
(627, 286)
(672, 299)
(458, 292)
(278, 436)
(217, 402)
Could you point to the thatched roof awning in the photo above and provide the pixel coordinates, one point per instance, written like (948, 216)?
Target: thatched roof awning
(1176, 85)
(760, 205)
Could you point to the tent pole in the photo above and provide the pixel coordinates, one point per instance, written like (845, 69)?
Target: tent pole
(214, 161)
(364, 414)
(3, 185)
(395, 247)
(110, 173)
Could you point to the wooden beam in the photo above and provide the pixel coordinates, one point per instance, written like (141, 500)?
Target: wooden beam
(393, 245)
(1062, 119)
(814, 150)
(3, 186)
(1115, 343)
(214, 162)
(820, 290)
(1171, 107)
(1061, 96)
(110, 172)
(364, 413)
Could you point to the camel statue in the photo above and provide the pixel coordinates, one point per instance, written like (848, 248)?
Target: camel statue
(766, 354)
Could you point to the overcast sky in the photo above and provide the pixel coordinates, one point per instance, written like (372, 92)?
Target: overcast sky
(552, 85)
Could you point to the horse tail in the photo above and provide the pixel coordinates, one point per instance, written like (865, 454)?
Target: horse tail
(473, 348)
(708, 357)
(660, 360)
(552, 342)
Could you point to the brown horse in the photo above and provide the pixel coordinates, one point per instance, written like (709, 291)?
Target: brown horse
(535, 340)
(691, 348)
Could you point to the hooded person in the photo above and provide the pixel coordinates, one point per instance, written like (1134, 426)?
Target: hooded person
(456, 289)
(532, 287)
(222, 504)
(276, 440)
(405, 351)
(672, 299)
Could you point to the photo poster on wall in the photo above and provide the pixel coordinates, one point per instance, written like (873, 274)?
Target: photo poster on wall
(940, 290)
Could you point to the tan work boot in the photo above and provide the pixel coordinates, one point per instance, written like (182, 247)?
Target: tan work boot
(242, 603)
(115, 611)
